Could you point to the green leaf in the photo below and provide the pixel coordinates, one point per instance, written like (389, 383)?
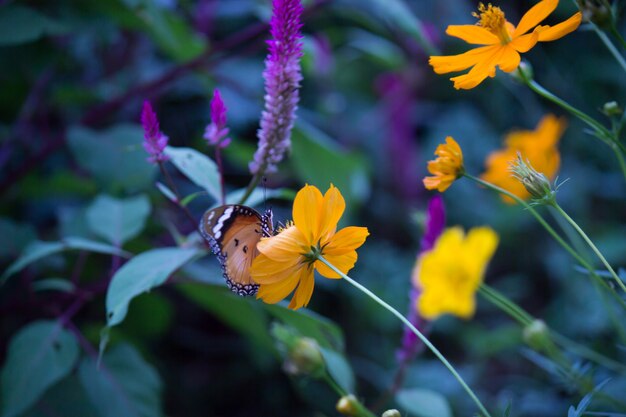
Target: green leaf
(142, 273)
(54, 284)
(21, 24)
(320, 161)
(423, 403)
(37, 250)
(114, 157)
(586, 401)
(242, 314)
(14, 237)
(199, 168)
(41, 354)
(124, 386)
(67, 398)
(118, 220)
(339, 369)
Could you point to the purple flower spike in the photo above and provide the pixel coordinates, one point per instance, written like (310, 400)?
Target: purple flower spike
(435, 223)
(216, 132)
(154, 141)
(282, 80)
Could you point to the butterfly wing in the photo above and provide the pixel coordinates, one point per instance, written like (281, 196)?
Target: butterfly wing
(233, 232)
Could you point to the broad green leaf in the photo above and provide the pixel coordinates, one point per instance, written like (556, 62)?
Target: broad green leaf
(114, 157)
(66, 398)
(242, 314)
(37, 250)
(339, 369)
(124, 386)
(54, 284)
(118, 220)
(258, 196)
(21, 24)
(320, 161)
(423, 403)
(310, 324)
(41, 354)
(14, 237)
(199, 168)
(142, 273)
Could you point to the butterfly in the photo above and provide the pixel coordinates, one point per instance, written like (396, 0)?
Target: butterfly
(233, 232)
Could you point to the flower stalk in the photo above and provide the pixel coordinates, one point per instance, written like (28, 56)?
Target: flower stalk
(407, 323)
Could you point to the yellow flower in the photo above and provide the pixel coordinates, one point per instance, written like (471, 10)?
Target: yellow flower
(446, 168)
(503, 42)
(449, 275)
(287, 260)
(538, 146)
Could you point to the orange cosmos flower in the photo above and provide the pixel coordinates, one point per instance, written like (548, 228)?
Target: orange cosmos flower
(538, 146)
(446, 168)
(287, 260)
(502, 42)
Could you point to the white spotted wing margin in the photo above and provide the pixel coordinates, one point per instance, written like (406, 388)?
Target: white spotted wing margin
(233, 232)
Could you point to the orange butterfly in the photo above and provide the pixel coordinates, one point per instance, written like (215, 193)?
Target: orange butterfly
(233, 232)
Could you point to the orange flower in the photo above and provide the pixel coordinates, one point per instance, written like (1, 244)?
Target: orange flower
(446, 168)
(502, 42)
(539, 146)
(287, 260)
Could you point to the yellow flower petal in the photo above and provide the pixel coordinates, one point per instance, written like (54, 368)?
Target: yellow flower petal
(535, 15)
(306, 209)
(303, 293)
(454, 63)
(525, 42)
(481, 243)
(344, 262)
(473, 34)
(333, 207)
(510, 59)
(267, 271)
(346, 240)
(273, 293)
(551, 33)
(284, 247)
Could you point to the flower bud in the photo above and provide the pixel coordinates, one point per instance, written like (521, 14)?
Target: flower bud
(597, 11)
(392, 413)
(348, 405)
(536, 183)
(611, 109)
(302, 354)
(537, 335)
(524, 72)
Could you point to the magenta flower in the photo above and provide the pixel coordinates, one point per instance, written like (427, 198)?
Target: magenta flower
(154, 141)
(282, 80)
(435, 223)
(216, 131)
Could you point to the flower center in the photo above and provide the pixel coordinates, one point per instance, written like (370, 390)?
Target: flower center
(492, 19)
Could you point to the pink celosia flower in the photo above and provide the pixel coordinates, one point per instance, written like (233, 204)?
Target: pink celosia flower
(282, 80)
(216, 132)
(154, 141)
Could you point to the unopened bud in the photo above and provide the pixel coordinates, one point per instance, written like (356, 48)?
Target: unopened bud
(348, 405)
(305, 358)
(524, 72)
(537, 335)
(536, 183)
(611, 109)
(392, 413)
(596, 11)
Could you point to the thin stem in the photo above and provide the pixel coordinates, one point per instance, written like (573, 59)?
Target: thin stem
(508, 306)
(423, 338)
(336, 387)
(609, 45)
(552, 232)
(591, 245)
(620, 159)
(220, 167)
(172, 185)
(618, 36)
(253, 183)
(585, 352)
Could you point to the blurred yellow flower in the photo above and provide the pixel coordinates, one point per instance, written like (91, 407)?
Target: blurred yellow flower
(287, 260)
(449, 275)
(538, 146)
(502, 42)
(446, 168)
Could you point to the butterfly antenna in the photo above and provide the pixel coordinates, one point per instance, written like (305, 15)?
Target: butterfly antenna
(265, 193)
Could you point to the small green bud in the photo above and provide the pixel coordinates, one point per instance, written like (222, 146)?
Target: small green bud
(611, 109)
(598, 12)
(392, 413)
(537, 335)
(305, 358)
(348, 405)
(536, 183)
(524, 72)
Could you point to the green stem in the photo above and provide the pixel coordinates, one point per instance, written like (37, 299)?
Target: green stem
(618, 36)
(590, 243)
(506, 305)
(253, 183)
(419, 334)
(331, 382)
(585, 352)
(620, 159)
(552, 232)
(607, 42)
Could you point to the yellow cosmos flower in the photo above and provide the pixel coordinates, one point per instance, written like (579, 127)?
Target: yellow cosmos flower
(287, 260)
(502, 42)
(449, 275)
(446, 168)
(538, 146)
